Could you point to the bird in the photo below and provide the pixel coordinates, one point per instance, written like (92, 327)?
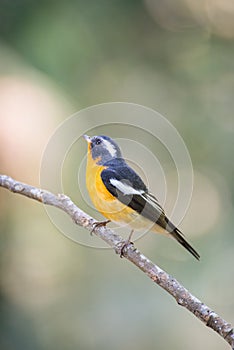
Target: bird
(120, 194)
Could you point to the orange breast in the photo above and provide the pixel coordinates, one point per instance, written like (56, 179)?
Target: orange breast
(108, 205)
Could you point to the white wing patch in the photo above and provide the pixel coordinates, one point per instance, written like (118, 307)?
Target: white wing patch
(153, 201)
(125, 188)
(129, 190)
(110, 147)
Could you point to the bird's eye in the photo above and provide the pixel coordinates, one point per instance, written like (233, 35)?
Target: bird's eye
(98, 141)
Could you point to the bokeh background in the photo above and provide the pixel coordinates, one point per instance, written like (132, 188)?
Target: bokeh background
(57, 57)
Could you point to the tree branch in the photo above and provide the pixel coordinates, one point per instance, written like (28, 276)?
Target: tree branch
(167, 282)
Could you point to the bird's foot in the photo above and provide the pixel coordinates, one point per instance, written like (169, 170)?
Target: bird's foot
(125, 244)
(99, 224)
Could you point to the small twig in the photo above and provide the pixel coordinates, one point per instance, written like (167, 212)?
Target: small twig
(167, 282)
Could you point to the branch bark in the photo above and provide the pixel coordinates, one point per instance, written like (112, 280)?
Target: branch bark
(157, 275)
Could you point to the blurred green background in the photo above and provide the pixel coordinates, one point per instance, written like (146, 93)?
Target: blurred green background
(57, 57)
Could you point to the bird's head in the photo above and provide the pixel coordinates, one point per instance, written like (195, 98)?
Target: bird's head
(102, 148)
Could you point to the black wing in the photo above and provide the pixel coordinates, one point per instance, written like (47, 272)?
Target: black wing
(123, 183)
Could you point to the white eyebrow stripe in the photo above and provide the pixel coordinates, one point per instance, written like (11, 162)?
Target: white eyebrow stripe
(110, 148)
(125, 188)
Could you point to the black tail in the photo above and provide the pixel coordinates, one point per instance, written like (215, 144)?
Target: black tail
(178, 236)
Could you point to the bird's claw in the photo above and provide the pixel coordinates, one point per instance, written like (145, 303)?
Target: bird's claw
(124, 246)
(99, 224)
